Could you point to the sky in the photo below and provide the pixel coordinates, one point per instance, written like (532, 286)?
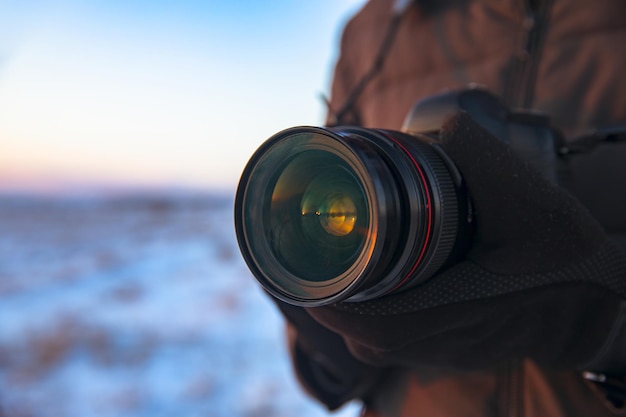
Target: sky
(156, 93)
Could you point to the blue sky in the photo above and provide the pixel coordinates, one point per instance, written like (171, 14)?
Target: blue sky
(156, 92)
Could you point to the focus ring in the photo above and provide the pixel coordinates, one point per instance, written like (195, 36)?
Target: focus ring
(445, 209)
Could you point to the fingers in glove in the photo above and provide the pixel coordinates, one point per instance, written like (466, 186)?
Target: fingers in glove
(523, 222)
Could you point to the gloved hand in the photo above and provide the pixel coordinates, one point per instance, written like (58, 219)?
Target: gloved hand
(541, 279)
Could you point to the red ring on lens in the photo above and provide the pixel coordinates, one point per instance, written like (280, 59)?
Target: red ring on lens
(428, 207)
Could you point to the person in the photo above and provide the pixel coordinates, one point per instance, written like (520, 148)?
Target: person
(533, 321)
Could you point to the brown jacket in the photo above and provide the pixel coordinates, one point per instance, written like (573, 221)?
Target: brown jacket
(565, 58)
(512, 390)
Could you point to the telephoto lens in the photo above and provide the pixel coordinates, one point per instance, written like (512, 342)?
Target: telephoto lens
(324, 215)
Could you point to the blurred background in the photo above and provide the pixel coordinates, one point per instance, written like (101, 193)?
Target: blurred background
(124, 126)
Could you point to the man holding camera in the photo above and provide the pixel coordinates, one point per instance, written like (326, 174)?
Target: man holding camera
(531, 321)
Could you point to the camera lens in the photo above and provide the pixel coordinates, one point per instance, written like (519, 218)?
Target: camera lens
(326, 215)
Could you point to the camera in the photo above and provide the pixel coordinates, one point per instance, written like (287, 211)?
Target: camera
(346, 213)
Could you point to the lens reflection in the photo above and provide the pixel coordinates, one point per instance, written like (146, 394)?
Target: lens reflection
(335, 211)
(319, 216)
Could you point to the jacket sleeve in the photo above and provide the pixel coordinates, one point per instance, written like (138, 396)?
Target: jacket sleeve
(322, 362)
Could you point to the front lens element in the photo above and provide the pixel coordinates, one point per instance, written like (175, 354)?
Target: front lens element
(326, 215)
(318, 217)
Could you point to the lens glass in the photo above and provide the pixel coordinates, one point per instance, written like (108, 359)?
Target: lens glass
(319, 216)
(336, 212)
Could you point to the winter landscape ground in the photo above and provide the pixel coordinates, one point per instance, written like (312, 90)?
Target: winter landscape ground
(136, 306)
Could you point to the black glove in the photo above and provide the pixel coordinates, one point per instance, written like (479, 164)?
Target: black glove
(541, 279)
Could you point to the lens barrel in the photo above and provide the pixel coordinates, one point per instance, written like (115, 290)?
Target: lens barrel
(331, 214)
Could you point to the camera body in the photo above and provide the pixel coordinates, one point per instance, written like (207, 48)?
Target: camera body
(527, 132)
(352, 214)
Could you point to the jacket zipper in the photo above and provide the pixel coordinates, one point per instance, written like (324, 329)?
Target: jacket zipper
(511, 389)
(519, 93)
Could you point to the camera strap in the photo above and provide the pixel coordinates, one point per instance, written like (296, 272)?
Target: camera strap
(613, 388)
(587, 142)
(338, 117)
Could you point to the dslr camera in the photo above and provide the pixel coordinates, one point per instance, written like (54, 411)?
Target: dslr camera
(352, 214)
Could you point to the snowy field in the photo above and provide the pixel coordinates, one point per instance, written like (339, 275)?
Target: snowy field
(136, 306)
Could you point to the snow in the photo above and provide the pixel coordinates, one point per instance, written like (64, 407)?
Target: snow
(136, 306)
